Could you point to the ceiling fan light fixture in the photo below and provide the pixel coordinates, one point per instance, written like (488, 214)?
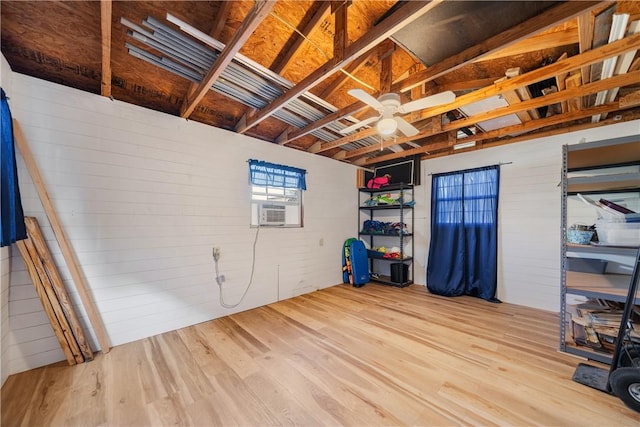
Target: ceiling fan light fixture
(386, 126)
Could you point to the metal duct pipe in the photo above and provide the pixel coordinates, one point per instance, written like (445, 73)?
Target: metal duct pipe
(237, 74)
(239, 95)
(265, 90)
(289, 118)
(152, 59)
(172, 34)
(171, 53)
(244, 80)
(259, 69)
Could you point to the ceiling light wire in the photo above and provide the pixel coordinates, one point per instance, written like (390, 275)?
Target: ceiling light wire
(319, 49)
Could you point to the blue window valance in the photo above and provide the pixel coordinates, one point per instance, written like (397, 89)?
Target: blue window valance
(274, 175)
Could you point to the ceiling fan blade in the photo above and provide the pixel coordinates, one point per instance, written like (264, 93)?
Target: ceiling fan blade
(406, 127)
(428, 101)
(366, 98)
(358, 125)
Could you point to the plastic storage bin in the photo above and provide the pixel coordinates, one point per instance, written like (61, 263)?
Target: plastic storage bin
(618, 233)
(399, 272)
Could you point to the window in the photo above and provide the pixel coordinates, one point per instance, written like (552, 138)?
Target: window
(276, 194)
(467, 197)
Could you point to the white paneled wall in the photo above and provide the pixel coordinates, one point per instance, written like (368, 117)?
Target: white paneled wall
(529, 212)
(144, 197)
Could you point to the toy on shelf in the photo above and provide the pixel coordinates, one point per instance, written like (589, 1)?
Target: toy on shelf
(387, 253)
(388, 199)
(379, 181)
(371, 226)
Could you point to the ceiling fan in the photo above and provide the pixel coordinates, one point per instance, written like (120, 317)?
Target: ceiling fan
(388, 105)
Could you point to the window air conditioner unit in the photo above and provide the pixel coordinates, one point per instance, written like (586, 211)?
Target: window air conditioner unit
(271, 214)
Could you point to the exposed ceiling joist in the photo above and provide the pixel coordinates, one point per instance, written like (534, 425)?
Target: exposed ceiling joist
(498, 42)
(216, 31)
(585, 39)
(284, 59)
(220, 19)
(256, 15)
(537, 42)
(492, 45)
(515, 129)
(279, 89)
(575, 62)
(105, 26)
(292, 133)
(348, 71)
(339, 9)
(399, 19)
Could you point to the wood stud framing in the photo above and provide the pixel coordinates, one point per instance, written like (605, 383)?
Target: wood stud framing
(105, 24)
(53, 295)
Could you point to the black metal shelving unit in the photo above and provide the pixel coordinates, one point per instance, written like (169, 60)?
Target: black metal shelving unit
(382, 269)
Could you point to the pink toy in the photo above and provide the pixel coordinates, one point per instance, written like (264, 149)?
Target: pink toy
(379, 181)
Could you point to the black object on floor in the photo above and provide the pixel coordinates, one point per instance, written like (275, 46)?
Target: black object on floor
(592, 376)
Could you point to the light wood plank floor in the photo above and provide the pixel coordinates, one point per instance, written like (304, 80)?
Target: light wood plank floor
(341, 356)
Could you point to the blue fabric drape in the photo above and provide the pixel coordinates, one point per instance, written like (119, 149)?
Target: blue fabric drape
(11, 214)
(463, 253)
(274, 175)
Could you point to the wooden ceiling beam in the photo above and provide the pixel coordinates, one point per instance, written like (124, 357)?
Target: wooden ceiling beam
(215, 33)
(553, 98)
(616, 81)
(528, 28)
(536, 43)
(437, 151)
(590, 57)
(224, 8)
(535, 25)
(540, 123)
(256, 15)
(324, 146)
(351, 109)
(343, 78)
(585, 37)
(386, 77)
(520, 128)
(284, 58)
(292, 133)
(406, 14)
(467, 85)
(105, 27)
(339, 10)
(632, 115)
(561, 82)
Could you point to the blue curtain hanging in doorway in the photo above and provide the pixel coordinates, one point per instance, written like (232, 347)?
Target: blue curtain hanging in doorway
(11, 215)
(463, 252)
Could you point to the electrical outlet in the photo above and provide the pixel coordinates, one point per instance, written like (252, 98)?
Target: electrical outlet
(216, 253)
